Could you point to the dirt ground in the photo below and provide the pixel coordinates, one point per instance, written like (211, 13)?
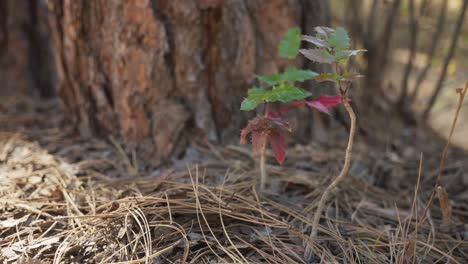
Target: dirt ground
(68, 199)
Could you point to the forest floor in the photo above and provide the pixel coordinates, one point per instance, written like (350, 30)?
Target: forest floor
(69, 199)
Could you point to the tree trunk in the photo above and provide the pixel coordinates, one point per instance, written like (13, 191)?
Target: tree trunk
(25, 53)
(160, 72)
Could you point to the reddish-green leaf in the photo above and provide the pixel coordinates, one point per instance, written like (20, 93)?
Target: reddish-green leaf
(333, 77)
(324, 32)
(316, 41)
(277, 143)
(318, 55)
(330, 77)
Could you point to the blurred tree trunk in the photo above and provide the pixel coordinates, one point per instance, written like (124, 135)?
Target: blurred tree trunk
(25, 55)
(158, 73)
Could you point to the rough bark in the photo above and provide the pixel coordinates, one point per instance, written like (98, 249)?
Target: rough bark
(159, 72)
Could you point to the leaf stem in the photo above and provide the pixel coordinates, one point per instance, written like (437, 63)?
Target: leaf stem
(263, 174)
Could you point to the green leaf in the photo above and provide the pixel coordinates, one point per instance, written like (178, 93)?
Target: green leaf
(339, 39)
(248, 105)
(289, 45)
(283, 93)
(270, 79)
(286, 93)
(255, 97)
(292, 74)
(347, 53)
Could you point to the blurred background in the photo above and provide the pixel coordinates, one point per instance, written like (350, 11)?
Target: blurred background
(159, 74)
(116, 114)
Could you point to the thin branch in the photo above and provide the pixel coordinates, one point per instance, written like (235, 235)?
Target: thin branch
(435, 40)
(453, 45)
(344, 170)
(413, 31)
(341, 176)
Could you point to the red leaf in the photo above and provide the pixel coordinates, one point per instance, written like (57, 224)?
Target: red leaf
(277, 143)
(291, 105)
(268, 128)
(325, 102)
(271, 113)
(258, 124)
(297, 103)
(281, 123)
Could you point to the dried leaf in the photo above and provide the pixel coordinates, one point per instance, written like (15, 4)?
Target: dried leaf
(410, 250)
(445, 206)
(11, 222)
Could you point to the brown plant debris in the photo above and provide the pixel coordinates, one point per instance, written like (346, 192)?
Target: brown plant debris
(65, 199)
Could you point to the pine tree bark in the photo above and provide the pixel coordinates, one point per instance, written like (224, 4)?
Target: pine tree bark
(158, 72)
